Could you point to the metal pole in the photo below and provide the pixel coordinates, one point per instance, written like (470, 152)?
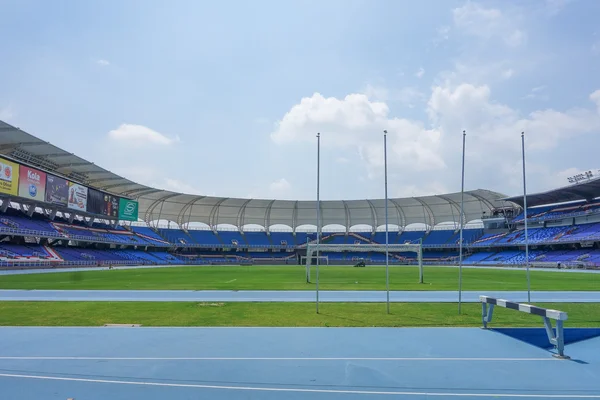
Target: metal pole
(318, 212)
(387, 233)
(525, 219)
(307, 261)
(420, 260)
(461, 219)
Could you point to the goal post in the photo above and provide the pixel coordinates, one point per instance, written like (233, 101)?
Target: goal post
(314, 251)
(323, 260)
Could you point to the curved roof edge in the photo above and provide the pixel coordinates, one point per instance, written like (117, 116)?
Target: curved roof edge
(582, 191)
(158, 204)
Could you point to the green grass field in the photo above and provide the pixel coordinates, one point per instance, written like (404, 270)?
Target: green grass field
(286, 314)
(275, 314)
(293, 278)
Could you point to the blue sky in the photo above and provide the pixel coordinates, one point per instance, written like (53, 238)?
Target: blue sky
(225, 98)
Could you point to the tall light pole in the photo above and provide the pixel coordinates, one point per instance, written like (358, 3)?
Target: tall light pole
(318, 212)
(387, 233)
(461, 222)
(525, 216)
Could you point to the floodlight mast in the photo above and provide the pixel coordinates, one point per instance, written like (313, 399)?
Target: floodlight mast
(387, 233)
(318, 212)
(525, 219)
(461, 223)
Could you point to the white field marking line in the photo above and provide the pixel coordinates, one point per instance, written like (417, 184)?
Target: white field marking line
(233, 280)
(301, 390)
(75, 358)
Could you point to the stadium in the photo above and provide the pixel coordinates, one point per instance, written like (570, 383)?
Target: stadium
(59, 210)
(124, 255)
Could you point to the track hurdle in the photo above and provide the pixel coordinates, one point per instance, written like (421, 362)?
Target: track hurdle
(555, 337)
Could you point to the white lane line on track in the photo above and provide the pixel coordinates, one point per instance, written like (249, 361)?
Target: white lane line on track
(75, 358)
(304, 390)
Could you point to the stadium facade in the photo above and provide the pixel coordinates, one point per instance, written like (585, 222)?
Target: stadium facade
(59, 209)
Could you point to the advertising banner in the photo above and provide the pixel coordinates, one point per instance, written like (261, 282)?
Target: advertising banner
(102, 204)
(57, 190)
(32, 183)
(128, 210)
(9, 177)
(95, 201)
(111, 206)
(77, 197)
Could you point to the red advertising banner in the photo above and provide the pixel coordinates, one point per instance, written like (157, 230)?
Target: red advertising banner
(32, 183)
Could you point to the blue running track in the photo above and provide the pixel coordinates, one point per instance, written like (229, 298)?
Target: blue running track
(288, 363)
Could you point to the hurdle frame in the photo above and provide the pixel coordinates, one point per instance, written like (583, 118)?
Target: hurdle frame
(555, 336)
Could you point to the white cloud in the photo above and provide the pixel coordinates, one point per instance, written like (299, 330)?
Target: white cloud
(103, 63)
(431, 153)
(554, 7)
(7, 113)
(157, 177)
(477, 73)
(280, 188)
(139, 135)
(419, 74)
(442, 34)
(407, 95)
(537, 93)
(426, 189)
(595, 97)
(508, 73)
(179, 186)
(377, 93)
(488, 23)
(470, 107)
(358, 123)
(342, 160)
(564, 174)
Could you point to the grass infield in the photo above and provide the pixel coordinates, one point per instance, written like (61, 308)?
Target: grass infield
(276, 314)
(293, 278)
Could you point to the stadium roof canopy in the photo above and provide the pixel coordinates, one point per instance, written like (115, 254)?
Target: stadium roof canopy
(156, 204)
(586, 191)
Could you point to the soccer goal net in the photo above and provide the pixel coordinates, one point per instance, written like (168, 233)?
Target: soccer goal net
(361, 255)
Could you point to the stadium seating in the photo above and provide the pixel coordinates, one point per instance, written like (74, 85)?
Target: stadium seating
(410, 237)
(147, 233)
(379, 237)
(438, 237)
(176, 236)
(204, 237)
(140, 245)
(283, 238)
(24, 223)
(257, 239)
(303, 237)
(477, 258)
(232, 238)
(549, 213)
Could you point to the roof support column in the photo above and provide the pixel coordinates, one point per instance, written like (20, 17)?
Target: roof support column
(214, 215)
(427, 211)
(348, 219)
(295, 217)
(241, 214)
(401, 215)
(374, 222)
(268, 217)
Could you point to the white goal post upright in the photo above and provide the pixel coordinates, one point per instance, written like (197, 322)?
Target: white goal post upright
(316, 250)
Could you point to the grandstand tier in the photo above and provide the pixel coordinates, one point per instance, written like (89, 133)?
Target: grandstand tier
(32, 241)
(564, 224)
